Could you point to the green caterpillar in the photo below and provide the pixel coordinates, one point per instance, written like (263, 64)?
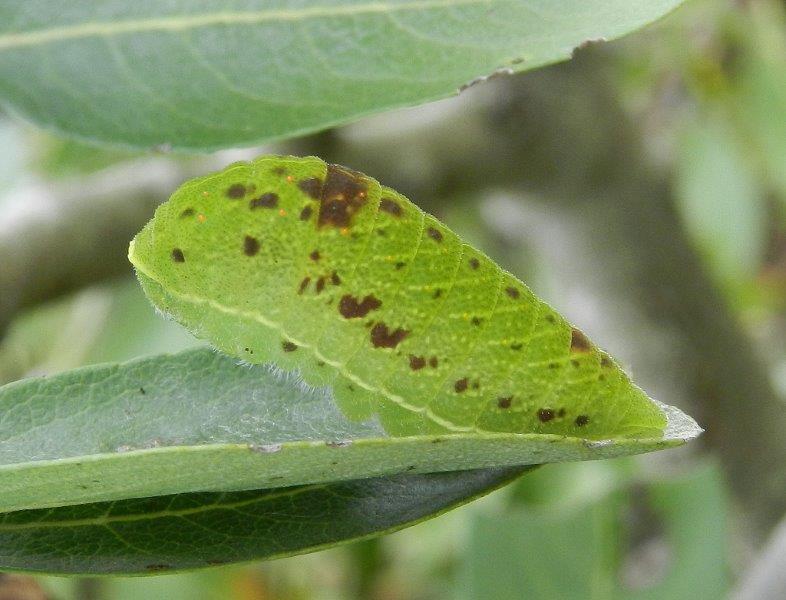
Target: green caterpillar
(318, 268)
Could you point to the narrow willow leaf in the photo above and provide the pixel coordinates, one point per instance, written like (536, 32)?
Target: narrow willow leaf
(187, 531)
(321, 269)
(198, 421)
(199, 75)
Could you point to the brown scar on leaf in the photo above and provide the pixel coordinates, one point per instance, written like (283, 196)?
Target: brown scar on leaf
(561, 413)
(304, 285)
(476, 321)
(400, 265)
(545, 415)
(383, 337)
(461, 385)
(250, 245)
(342, 196)
(578, 341)
(335, 279)
(278, 171)
(605, 361)
(236, 190)
(512, 292)
(433, 362)
(267, 200)
(416, 362)
(178, 256)
(390, 206)
(288, 346)
(517, 346)
(474, 263)
(434, 234)
(315, 256)
(352, 308)
(320, 285)
(437, 293)
(505, 402)
(311, 187)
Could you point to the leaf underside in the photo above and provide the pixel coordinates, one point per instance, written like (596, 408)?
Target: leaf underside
(189, 75)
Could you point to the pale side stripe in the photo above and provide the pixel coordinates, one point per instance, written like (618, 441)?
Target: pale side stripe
(339, 366)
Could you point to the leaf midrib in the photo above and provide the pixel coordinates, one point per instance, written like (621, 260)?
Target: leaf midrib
(40, 37)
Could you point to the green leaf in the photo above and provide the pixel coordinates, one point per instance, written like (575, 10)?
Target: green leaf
(200, 75)
(187, 531)
(321, 269)
(198, 421)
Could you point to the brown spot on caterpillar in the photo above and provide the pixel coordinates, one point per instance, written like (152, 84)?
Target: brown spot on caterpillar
(434, 234)
(416, 362)
(320, 285)
(158, 567)
(381, 232)
(351, 308)
(343, 194)
(550, 318)
(433, 362)
(178, 256)
(578, 341)
(250, 245)
(303, 285)
(278, 171)
(505, 402)
(236, 190)
(605, 361)
(545, 415)
(268, 200)
(399, 265)
(314, 255)
(142, 391)
(474, 263)
(461, 385)
(335, 279)
(437, 293)
(189, 212)
(517, 346)
(554, 365)
(476, 385)
(582, 420)
(288, 346)
(390, 206)
(476, 321)
(305, 214)
(512, 292)
(561, 412)
(382, 337)
(312, 187)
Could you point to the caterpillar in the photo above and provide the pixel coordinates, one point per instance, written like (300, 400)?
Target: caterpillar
(317, 268)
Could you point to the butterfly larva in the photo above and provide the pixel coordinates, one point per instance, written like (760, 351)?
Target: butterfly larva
(319, 268)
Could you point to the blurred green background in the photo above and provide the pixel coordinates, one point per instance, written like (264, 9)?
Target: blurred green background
(640, 189)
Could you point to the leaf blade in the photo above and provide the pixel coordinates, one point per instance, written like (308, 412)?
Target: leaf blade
(189, 531)
(117, 76)
(206, 423)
